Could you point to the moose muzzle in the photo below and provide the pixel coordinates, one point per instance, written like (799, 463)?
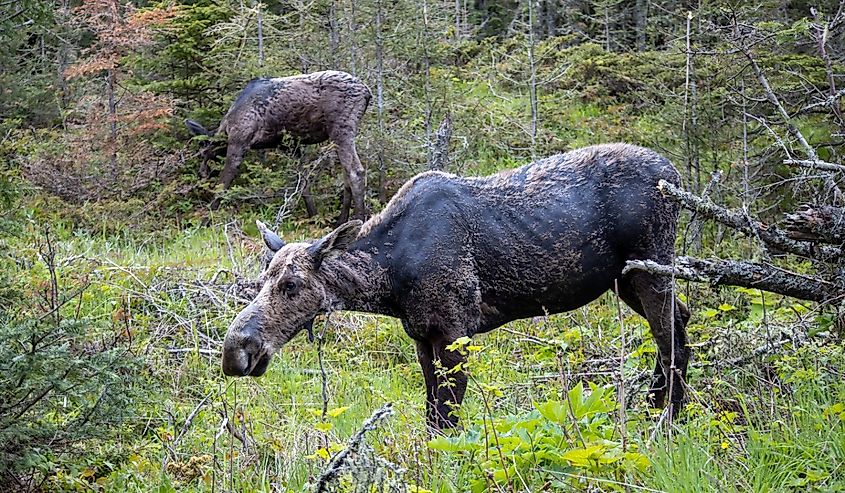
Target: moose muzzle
(244, 352)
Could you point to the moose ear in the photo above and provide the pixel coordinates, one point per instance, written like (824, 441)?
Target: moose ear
(195, 128)
(335, 242)
(271, 239)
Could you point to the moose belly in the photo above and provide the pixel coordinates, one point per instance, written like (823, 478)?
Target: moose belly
(500, 306)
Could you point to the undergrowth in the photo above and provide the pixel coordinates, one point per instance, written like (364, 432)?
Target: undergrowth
(144, 317)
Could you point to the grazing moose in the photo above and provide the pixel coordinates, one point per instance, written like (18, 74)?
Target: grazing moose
(453, 257)
(305, 109)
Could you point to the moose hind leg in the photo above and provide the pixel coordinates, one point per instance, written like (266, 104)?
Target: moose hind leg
(658, 382)
(345, 204)
(354, 174)
(667, 316)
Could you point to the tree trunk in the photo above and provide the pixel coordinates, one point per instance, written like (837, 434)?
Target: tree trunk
(382, 165)
(334, 35)
(641, 16)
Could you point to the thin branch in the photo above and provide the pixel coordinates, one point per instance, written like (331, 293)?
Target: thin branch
(769, 234)
(338, 462)
(767, 277)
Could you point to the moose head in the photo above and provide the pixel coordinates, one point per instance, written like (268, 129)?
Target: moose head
(296, 287)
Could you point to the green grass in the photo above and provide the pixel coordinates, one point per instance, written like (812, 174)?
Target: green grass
(761, 427)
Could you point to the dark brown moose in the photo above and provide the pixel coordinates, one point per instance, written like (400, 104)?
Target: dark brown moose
(299, 110)
(453, 257)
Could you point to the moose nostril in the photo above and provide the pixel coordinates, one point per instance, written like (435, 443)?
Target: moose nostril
(237, 363)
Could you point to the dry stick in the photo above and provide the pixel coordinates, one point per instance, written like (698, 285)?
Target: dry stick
(747, 274)
(672, 369)
(622, 411)
(771, 235)
(334, 467)
(188, 421)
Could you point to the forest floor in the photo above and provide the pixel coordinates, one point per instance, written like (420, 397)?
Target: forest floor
(543, 411)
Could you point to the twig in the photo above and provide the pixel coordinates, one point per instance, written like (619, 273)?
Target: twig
(336, 465)
(188, 421)
(747, 274)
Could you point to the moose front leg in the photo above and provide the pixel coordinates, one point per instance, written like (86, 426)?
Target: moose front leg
(451, 384)
(425, 355)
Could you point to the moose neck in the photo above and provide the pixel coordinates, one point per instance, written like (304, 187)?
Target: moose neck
(355, 281)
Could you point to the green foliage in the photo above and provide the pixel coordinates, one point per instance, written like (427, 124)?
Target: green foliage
(62, 385)
(94, 394)
(560, 438)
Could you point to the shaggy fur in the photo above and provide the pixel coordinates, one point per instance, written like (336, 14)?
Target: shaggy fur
(307, 109)
(454, 256)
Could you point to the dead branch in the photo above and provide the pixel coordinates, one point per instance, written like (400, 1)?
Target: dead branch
(787, 120)
(822, 223)
(769, 234)
(767, 277)
(763, 350)
(816, 164)
(440, 149)
(338, 463)
(233, 430)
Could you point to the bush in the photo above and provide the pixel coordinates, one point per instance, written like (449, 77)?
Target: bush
(63, 381)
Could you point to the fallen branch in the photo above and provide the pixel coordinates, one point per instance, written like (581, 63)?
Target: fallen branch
(354, 446)
(771, 235)
(763, 350)
(767, 277)
(817, 223)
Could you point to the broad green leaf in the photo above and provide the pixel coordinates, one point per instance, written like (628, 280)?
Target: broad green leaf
(337, 411)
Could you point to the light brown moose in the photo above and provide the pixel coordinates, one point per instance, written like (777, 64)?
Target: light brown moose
(292, 111)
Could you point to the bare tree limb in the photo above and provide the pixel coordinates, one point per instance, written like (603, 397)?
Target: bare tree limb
(440, 149)
(817, 164)
(767, 277)
(787, 120)
(355, 443)
(769, 234)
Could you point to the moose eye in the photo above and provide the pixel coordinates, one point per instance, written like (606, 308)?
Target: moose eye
(289, 287)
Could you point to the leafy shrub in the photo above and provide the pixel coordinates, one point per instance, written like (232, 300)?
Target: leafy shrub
(63, 381)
